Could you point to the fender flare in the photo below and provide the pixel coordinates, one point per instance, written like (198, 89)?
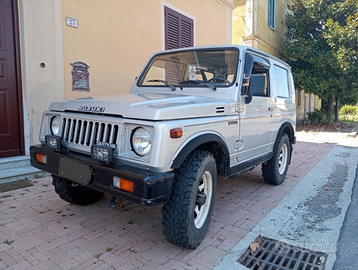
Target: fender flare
(291, 136)
(197, 142)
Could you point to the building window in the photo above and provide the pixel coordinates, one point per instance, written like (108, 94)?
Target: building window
(289, 29)
(271, 13)
(299, 99)
(179, 30)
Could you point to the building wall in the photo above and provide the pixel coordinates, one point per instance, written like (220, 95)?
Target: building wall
(238, 21)
(250, 28)
(270, 39)
(250, 25)
(116, 38)
(40, 42)
(300, 108)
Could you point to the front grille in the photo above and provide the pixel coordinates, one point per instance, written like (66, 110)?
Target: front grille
(85, 132)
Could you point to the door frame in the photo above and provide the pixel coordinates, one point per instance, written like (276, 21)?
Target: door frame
(16, 27)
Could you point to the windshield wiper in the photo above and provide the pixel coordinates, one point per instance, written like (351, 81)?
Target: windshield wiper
(164, 82)
(201, 83)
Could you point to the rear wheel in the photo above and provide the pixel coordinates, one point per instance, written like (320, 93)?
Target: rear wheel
(187, 214)
(74, 193)
(274, 171)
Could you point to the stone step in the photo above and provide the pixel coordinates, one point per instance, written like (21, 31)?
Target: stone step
(24, 173)
(14, 162)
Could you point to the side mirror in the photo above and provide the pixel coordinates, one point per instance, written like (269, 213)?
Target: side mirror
(256, 87)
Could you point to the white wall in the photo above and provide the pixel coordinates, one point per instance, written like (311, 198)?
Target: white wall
(40, 42)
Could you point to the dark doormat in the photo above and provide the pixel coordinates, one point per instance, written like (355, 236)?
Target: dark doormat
(15, 185)
(270, 254)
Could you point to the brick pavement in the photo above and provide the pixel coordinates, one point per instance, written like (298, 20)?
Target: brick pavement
(40, 231)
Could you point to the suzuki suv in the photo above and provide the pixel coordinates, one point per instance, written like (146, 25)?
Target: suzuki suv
(192, 115)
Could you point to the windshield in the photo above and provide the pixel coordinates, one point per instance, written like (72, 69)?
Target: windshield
(200, 68)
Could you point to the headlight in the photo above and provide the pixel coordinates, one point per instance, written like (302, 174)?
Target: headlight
(55, 125)
(141, 141)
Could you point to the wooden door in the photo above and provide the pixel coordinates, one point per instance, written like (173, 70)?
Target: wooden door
(10, 107)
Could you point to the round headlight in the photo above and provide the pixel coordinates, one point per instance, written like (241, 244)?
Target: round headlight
(141, 141)
(55, 125)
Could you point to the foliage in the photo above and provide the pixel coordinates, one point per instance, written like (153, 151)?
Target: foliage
(319, 115)
(348, 110)
(319, 48)
(341, 33)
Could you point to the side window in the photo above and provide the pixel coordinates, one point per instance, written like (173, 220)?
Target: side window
(179, 31)
(259, 69)
(281, 81)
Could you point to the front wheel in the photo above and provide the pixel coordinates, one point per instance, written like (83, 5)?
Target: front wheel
(274, 171)
(187, 214)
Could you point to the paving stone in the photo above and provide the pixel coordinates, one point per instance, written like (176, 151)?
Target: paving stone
(27, 243)
(112, 260)
(42, 240)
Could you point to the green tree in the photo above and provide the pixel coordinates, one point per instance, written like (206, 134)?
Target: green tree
(317, 49)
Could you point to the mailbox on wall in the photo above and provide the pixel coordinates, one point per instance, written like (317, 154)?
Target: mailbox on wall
(80, 76)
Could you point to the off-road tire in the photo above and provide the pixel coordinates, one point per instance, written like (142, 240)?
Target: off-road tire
(272, 171)
(76, 194)
(183, 226)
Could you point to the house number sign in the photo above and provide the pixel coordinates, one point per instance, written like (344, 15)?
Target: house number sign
(71, 22)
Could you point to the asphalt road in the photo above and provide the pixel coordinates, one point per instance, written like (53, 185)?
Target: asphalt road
(347, 254)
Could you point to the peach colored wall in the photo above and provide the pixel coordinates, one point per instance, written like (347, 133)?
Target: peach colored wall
(116, 38)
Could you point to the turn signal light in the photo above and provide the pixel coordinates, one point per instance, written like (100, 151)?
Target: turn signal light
(41, 158)
(176, 133)
(122, 183)
(126, 185)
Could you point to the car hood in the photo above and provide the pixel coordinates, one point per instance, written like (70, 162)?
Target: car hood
(148, 106)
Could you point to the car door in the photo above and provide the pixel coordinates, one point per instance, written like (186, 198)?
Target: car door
(255, 112)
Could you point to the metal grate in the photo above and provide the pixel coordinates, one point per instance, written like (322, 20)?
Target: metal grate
(86, 133)
(276, 255)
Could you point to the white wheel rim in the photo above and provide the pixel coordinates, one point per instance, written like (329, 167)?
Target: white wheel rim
(201, 212)
(283, 158)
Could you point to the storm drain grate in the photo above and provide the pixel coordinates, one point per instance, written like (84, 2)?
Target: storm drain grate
(270, 254)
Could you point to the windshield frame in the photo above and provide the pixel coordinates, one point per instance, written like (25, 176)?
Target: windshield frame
(211, 49)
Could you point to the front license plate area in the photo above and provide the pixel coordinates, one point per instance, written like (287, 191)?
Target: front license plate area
(75, 171)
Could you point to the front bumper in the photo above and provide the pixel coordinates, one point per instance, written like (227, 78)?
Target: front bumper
(149, 188)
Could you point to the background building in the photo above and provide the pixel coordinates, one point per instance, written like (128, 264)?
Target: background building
(259, 24)
(41, 39)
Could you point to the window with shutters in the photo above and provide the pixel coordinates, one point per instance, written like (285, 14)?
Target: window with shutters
(179, 30)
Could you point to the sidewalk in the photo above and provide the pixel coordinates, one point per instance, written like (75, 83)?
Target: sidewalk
(41, 231)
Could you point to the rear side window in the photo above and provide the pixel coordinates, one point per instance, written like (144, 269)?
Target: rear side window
(281, 80)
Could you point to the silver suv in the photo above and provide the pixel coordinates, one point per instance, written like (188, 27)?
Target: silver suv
(191, 115)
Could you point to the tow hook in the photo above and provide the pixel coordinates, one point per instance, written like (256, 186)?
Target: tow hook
(115, 203)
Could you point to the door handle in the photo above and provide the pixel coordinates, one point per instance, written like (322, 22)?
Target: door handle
(270, 109)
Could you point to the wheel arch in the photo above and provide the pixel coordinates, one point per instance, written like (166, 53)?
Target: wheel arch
(208, 142)
(288, 129)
